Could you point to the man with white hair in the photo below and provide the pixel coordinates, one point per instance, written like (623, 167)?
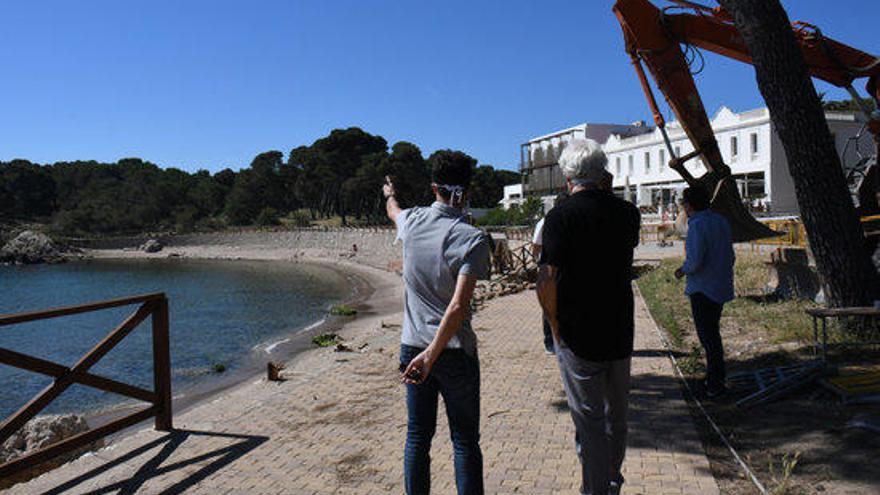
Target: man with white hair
(585, 290)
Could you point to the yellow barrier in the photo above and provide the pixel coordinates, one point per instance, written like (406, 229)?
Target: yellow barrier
(793, 234)
(791, 231)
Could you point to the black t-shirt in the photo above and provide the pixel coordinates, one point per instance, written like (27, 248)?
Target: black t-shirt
(590, 240)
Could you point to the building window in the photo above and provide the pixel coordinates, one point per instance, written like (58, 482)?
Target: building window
(678, 151)
(630, 164)
(734, 147)
(662, 159)
(617, 162)
(647, 162)
(754, 139)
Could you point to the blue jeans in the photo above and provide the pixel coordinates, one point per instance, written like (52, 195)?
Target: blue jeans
(456, 376)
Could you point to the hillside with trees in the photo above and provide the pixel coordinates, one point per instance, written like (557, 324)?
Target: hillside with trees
(339, 175)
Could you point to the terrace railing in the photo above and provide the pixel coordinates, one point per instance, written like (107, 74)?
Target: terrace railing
(154, 306)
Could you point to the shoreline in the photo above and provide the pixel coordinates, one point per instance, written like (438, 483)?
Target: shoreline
(373, 292)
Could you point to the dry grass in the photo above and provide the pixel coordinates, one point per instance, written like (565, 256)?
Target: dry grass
(665, 298)
(750, 314)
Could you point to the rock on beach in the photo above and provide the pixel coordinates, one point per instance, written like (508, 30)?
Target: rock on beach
(31, 247)
(151, 246)
(39, 433)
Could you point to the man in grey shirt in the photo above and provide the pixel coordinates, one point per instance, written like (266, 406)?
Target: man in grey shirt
(443, 257)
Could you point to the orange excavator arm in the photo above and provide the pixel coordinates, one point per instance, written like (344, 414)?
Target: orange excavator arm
(653, 39)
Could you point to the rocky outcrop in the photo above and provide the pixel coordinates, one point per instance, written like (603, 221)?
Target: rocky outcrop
(39, 433)
(151, 246)
(31, 247)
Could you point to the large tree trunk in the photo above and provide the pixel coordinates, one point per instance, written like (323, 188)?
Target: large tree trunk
(829, 216)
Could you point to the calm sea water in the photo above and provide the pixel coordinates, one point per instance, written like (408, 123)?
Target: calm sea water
(221, 313)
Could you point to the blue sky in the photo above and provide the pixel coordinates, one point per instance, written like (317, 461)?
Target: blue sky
(210, 83)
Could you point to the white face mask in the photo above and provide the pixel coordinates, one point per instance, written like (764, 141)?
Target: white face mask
(456, 193)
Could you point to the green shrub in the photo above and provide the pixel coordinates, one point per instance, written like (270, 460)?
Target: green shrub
(495, 216)
(692, 363)
(527, 213)
(298, 218)
(185, 219)
(267, 217)
(342, 310)
(326, 339)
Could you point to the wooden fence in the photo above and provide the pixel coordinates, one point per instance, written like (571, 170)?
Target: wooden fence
(149, 305)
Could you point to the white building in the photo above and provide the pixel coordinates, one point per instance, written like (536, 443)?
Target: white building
(748, 144)
(513, 195)
(539, 156)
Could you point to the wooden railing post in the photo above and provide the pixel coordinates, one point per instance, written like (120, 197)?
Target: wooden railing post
(162, 365)
(151, 305)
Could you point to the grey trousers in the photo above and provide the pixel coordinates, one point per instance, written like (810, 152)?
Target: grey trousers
(597, 393)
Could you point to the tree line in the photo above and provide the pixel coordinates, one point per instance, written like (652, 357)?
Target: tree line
(339, 175)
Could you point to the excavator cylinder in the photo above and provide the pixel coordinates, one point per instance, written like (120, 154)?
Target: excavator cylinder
(648, 40)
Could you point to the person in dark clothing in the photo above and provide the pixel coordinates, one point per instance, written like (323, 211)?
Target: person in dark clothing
(708, 265)
(585, 290)
(537, 239)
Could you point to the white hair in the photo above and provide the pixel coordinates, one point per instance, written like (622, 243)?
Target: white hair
(583, 160)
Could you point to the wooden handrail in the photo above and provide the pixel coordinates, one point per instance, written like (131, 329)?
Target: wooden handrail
(154, 306)
(44, 367)
(83, 308)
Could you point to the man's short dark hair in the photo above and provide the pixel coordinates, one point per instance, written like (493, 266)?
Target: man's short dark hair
(696, 197)
(452, 168)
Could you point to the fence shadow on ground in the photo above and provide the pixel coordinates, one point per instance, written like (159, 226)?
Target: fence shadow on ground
(154, 468)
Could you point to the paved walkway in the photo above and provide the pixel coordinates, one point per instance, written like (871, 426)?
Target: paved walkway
(337, 426)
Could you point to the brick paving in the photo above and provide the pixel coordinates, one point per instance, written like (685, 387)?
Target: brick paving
(337, 425)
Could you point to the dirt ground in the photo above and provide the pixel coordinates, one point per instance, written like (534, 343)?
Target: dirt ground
(809, 426)
(802, 443)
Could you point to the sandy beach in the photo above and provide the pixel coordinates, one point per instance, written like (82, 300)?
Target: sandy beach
(376, 294)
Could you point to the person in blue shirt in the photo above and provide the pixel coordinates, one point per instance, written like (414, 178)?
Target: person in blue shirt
(708, 265)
